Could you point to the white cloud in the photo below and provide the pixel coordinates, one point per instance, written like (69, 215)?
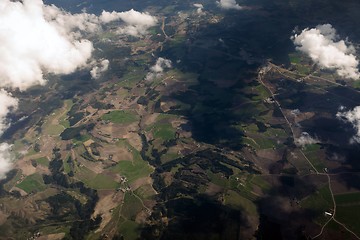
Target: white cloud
(6, 159)
(37, 39)
(305, 139)
(100, 67)
(295, 112)
(198, 5)
(352, 117)
(321, 45)
(229, 4)
(32, 45)
(161, 64)
(157, 69)
(107, 17)
(7, 104)
(199, 9)
(137, 23)
(73, 24)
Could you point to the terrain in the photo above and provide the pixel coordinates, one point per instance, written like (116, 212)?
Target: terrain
(207, 149)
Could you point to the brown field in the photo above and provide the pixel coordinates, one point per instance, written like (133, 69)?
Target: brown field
(30, 207)
(119, 153)
(134, 140)
(108, 200)
(267, 157)
(55, 236)
(141, 182)
(150, 119)
(213, 189)
(340, 185)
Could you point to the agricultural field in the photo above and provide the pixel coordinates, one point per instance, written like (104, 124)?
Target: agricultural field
(121, 117)
(347, 210)
(32, 183)
(187, 134)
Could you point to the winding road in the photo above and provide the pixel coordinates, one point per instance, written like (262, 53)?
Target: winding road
(262, 72)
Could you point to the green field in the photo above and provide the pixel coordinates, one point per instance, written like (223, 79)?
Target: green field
(132, 206)
(218, 179)
(164, 131)
(67, 167)
(251, 142)
(347, 198)
(314, 159)
(102, 181)
(63, 119)
(163, 116)
(135, 169)
(276, 132)
(145, 192)
(262, 93)
(131, 78)
(132, 170)
(42, 161)
(265, 143)
(60, 116)
(54, 130)
(312, 153)
(245, 189)
(319, 202)
(349, 215)
(348, 210)
(96, 181)
(129, 230)
(32, 183)
(237, 201)
(121, 116)
(312, 147)
(162, 128)
(294, 58)
(260, 182)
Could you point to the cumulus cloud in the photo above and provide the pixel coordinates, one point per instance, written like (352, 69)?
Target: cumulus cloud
(295, 112)
(161, 64)
(157, 69)
(199, 9)
(71, 24)
(198, 5)
(32, 44)
(6, 159)
(353, 117)
(38, 39)
(305, 139)
(7, 104)
(322, 46)
(137, 23)
(229, 4)
(99, 68)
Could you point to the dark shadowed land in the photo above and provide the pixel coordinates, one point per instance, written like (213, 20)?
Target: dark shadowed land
(208, 149)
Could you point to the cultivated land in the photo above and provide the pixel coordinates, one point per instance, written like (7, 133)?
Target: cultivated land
(205, 150)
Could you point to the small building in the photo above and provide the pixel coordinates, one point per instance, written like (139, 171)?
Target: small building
(328, 214)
